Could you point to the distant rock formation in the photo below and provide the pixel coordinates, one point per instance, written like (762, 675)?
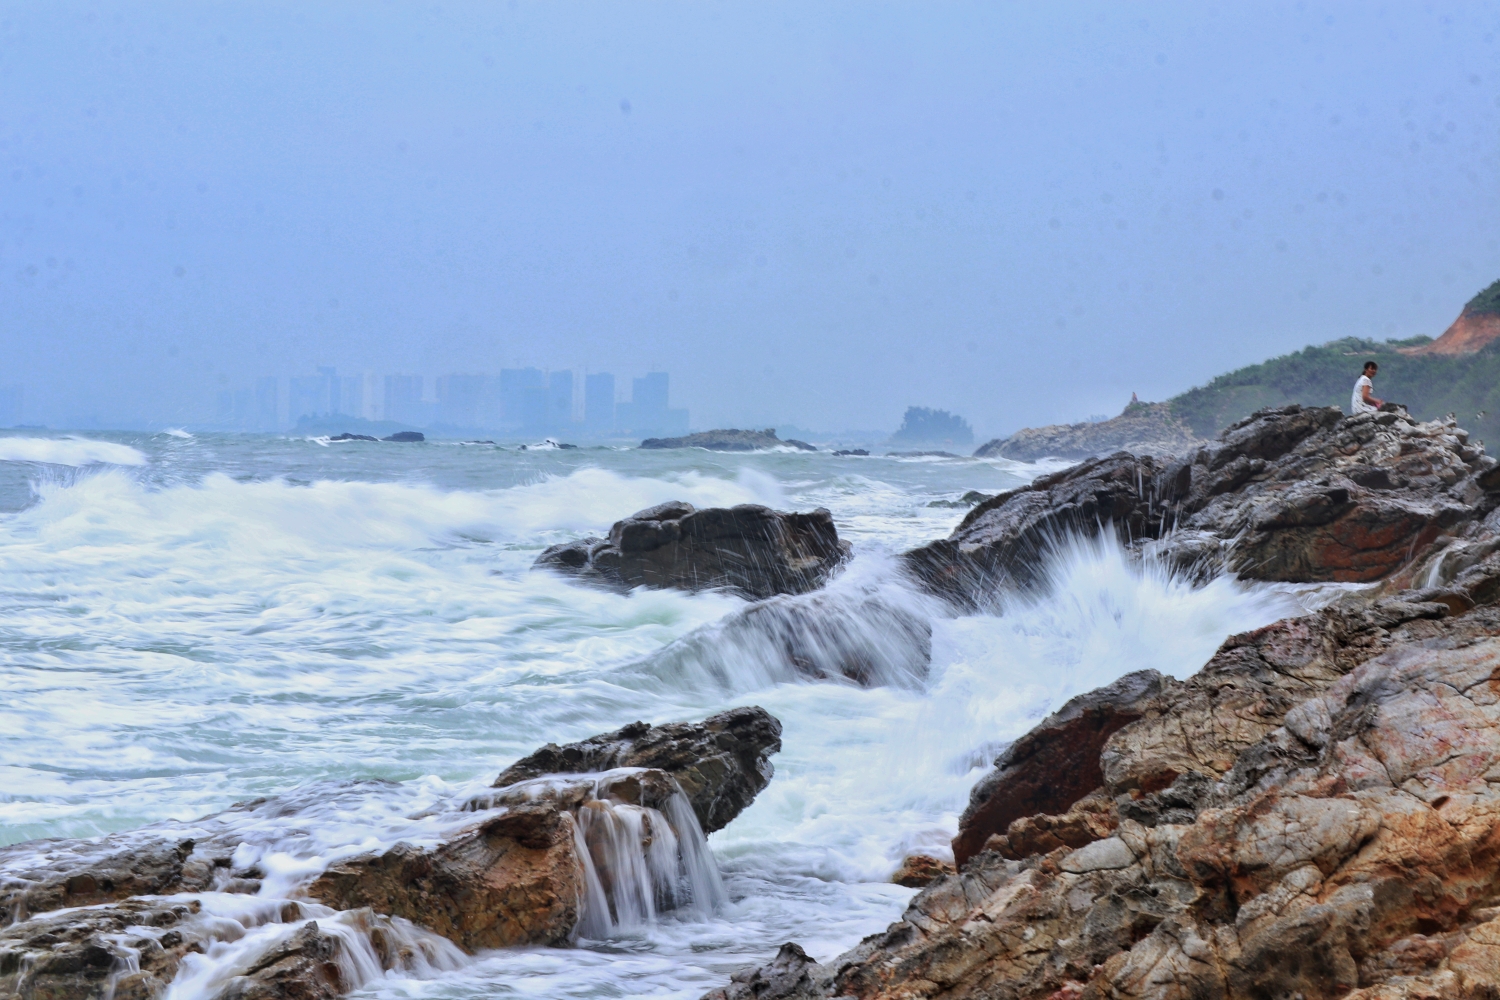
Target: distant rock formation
(1142, 429)
(751, 549)
(926, 426)
(729, 439)
(406, 436)
(1476, 326)
(346, 436)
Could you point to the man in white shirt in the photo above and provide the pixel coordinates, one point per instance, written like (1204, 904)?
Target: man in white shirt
(1362, 401)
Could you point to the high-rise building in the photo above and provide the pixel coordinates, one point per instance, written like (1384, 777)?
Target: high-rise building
(647, 413)
(403, 399)
(515, 384)
(559, 400)
(10, 405)
(599, 403)
(461, 399)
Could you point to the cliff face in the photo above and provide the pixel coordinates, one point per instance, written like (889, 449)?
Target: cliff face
(1470, 332)
(1143, 429)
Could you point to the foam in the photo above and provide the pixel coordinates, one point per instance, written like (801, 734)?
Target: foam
(73, 451)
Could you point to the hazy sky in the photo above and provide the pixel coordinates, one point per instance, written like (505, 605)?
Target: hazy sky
(810, 213)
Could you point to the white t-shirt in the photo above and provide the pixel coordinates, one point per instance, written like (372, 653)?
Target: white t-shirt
(1358, 400)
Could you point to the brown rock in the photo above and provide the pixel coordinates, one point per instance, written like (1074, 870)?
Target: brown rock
(1055, 764)
(42, 875)
(920, 870)
(514, 879)
(86, 954)
(1091, 818)
(303, 967)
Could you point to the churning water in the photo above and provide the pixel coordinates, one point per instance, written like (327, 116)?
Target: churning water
(188, 621)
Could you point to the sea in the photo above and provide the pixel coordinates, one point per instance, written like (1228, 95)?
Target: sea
(192, 620)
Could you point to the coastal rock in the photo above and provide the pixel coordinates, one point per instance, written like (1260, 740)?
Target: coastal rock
(347, 436)
(1330, 831)
(1142, 429)
(42, 875)
(721, 763)
(749, 549)
(729, 440)
(1055, 764)
(406, 437)
(513, 879)
(127, 951)
(1292, 494)
(920, 870)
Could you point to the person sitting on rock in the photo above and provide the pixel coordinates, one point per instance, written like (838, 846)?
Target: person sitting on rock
(1362, 401)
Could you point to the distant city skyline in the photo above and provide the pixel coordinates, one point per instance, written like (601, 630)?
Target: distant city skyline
(521, 400)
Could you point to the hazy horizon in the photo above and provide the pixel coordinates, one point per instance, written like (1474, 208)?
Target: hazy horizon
(807, 215)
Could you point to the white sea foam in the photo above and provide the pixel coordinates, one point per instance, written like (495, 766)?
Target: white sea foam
(173, 648)
(74, 451)
(179, 433)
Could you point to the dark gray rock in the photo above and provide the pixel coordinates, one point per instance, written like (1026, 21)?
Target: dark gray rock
(791, 975)
(749, 549)
(729, 439)
(406, 436)
(1292, 494)
(722, 763)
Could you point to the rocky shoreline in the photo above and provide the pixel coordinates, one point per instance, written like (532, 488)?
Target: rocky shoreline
(1311, 813)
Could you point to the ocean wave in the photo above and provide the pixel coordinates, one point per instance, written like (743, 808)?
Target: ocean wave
(73, 451)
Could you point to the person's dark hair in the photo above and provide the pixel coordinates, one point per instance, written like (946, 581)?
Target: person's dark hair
(1371, 364)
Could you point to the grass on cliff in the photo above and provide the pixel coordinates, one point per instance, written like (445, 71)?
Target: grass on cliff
(1429, 385)
(1487, 301)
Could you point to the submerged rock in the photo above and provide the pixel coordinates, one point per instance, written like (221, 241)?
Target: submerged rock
(1292, 494)
(729, 440)
(749, 549)
(721, 763)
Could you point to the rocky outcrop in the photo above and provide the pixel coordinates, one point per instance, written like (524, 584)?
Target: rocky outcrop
(721, 763)
(748, 549)
(1310, 815)
(511, 880)
(1142, 429)
(729, 440)
(556, 848)
(1055, 764)
(1291, 493)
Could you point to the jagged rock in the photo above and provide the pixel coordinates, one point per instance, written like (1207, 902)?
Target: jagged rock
(1341, 838)
(1055, 764)
(729, 440)
(1142, 428)
(303, 967)
(1292, 493)
(512, 879)
(791, 975)
(86, 954)
(749, 549)
(721, 763)
(920, 870)
(42, 875)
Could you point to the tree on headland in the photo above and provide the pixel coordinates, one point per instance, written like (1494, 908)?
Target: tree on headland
(923, 424)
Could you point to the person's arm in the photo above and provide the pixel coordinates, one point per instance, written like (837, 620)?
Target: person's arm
(1377, 403)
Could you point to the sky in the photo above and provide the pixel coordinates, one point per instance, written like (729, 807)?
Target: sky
(808, 213)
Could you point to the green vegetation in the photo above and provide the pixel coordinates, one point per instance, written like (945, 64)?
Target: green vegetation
(1428, 385)
(1487, 301)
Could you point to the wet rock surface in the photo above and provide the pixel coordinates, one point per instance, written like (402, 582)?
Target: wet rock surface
(88, 954)
(748, 549)
(1290, 494)
(1313, 814)
(721, 763)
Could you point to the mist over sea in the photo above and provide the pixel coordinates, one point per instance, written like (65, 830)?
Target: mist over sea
(188, 621)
